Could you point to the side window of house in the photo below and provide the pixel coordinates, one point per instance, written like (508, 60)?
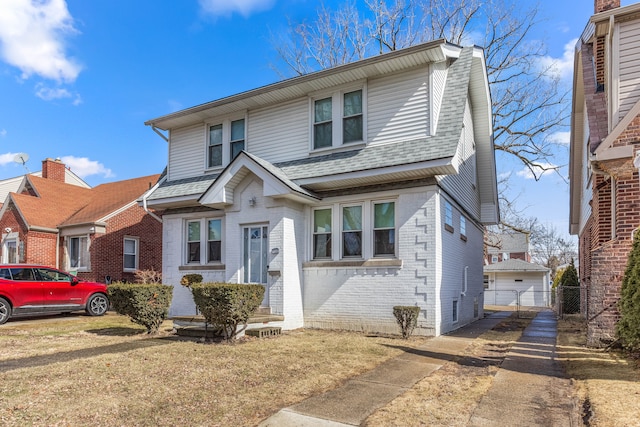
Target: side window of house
(463, 227)
(352, 231)
(338, 119)
(214, 240)
(448, 216)
(322, 233)
(78, 250)
(131, 250)
(193, 241)
(384, 229)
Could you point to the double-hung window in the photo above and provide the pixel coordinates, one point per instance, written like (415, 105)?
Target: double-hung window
(448, 216)
(352, 231)
(203, 236)
(322, 233)
(384, 231)
(78, 251)
(130, 258)
(338, 119)
(225, 141)
(214, 240)
(347, 231)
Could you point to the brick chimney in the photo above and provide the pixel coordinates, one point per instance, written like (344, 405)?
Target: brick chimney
(604, 5)
(53, 169)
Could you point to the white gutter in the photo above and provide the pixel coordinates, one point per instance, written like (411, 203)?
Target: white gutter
(147, 194)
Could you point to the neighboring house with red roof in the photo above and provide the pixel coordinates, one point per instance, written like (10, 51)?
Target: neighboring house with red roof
(101, 233)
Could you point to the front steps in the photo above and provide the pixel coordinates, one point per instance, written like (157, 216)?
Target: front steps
(196, 327)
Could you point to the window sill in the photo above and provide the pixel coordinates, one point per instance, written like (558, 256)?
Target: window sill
(448, 228)
(371, 263)
(336, 149)
(196, 267)
(463, 237)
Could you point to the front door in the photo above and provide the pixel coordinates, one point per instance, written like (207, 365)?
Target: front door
(255, 250)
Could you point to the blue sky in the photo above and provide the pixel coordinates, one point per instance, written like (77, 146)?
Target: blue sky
(79, 78)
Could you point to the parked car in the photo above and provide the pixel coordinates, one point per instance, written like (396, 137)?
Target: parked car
(27, 290)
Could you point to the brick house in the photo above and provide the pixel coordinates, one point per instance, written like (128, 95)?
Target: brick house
(99, 233)
(605, 132)
(344, 192)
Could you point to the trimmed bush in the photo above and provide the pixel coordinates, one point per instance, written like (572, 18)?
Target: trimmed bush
(628, 327)
(407, 318)
(570, 285)
(189, 279)
(145, 304)
(226, 305)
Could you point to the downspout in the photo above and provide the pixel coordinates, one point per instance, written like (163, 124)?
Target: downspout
(163, 136)
(144, 200)
(609, 62)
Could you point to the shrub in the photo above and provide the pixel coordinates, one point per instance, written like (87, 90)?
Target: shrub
(189, 279)
(570, 286)
(227, 305)
(148, 276)
(145, 304)
(407, 318)
(628, 327)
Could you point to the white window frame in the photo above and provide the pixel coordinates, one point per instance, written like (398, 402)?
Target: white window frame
(463, 227)
(337, 229)
(87, 248)
(337, 116)
(226, 139)
(10, 238)
(203, 241)
(136, 253)
(343, 231)
(448, 216)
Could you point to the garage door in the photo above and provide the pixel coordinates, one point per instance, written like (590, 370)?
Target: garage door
(528, 287)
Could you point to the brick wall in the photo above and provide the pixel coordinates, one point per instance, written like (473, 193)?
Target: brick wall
(53, 169)
(604, 5)
(107, 250)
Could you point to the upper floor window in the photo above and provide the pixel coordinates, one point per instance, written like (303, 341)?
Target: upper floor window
(130, 261)
(338, 119)
(225, 141)
(463, 227)
(204, 236)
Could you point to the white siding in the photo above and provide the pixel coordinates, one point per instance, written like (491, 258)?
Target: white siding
(280, 133)
(187, 152)
(438, 82)
(585, 184)
(463, 186)
(398, 107)
(458, 253)
(628, 36)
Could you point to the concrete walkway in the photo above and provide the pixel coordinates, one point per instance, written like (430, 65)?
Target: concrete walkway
(528, 390)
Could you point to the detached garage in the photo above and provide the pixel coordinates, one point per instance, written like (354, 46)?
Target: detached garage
(507, 282)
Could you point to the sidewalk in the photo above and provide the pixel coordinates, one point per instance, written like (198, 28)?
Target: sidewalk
(528, 390)
(351, 403)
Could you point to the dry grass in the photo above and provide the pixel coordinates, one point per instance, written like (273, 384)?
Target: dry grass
(449, 396)
(105, 371)
(608, 382)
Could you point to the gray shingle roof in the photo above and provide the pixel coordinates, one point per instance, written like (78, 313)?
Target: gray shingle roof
(443, 145)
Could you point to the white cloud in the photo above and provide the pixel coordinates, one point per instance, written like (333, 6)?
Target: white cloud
(561, 68)
(7, 158)
(3, 133)
(50, 94)
(560, 137)
(227, 7)
(540, 170)
(84, 167)
(32, 38)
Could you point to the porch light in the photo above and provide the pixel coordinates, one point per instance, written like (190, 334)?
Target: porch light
(252, 201)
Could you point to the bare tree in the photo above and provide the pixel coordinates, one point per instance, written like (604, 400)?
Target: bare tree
(528, 103)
